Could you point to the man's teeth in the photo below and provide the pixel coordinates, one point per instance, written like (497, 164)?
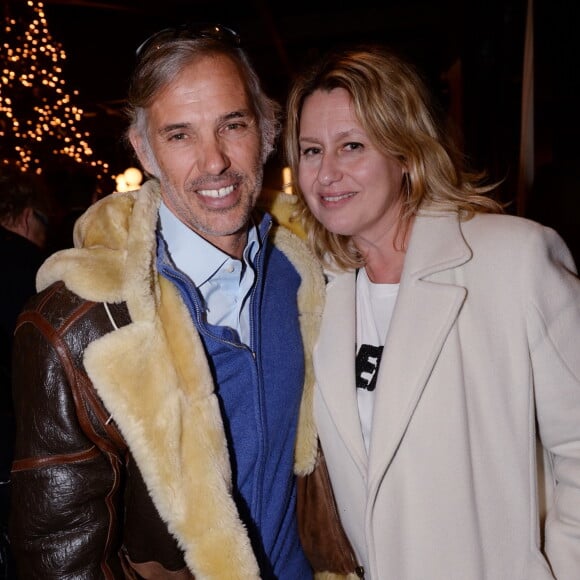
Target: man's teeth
(222, 192)
(337, 197)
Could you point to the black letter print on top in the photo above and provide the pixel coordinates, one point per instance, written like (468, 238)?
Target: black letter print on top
(367, 366)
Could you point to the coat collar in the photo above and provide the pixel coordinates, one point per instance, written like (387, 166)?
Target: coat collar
(424, 313)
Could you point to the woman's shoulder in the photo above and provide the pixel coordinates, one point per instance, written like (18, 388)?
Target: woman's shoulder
(504, 227)
(526, 239)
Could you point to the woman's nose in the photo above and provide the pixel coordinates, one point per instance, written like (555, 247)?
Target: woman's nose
(329, 171)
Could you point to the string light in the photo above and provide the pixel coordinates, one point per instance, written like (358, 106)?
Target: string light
(129, 180)
(35, 107)
(286, 180)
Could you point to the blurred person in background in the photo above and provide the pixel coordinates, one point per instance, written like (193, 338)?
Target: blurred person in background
(24, 209)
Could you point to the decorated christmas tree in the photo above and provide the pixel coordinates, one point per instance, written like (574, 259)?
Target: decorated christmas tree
(41, 128)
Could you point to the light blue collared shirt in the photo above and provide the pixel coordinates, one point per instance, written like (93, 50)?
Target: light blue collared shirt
(224, 282)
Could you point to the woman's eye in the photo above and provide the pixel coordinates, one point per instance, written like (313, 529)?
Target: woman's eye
(353, 146)
(309, 151)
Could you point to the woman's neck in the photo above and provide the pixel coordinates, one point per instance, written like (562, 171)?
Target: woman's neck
(383, 269)
(384, 261)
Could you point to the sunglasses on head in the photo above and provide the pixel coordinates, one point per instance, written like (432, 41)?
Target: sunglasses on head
(190, 31)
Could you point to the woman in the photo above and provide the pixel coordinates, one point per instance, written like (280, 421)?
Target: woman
(448, 345)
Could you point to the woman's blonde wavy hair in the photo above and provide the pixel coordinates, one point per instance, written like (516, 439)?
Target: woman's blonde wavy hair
(394, 106)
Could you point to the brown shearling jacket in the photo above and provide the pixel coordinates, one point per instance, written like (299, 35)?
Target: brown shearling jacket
(92, 325)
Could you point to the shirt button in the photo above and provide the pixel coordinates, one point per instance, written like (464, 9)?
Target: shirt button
(230, 268)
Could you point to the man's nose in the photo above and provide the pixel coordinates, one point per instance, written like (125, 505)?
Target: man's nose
(213, 157)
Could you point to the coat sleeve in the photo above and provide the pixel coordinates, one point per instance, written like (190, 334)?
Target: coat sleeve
(554, 334)
(64, 484)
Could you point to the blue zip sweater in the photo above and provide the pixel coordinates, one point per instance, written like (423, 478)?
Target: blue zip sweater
(259, 387)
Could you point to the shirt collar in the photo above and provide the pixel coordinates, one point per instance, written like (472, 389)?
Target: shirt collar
(194, 255)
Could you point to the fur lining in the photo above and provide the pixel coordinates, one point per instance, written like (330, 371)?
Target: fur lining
(310, 304)
(113, 259)
(181, 451)
(282, 206)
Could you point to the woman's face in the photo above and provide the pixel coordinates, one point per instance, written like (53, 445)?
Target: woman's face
(351, 187)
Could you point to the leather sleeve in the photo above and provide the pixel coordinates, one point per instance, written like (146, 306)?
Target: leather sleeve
(66, 477)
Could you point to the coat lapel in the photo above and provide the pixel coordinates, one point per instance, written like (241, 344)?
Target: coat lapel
(424, 314)
(334, 363)
(158, 388)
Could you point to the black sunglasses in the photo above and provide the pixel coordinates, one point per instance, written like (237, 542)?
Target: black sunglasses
(190, 31)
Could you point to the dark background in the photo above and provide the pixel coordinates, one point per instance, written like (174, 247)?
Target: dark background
(470, 51)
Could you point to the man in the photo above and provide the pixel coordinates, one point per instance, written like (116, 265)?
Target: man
(23, 232)
(160, 371)
(23, 229)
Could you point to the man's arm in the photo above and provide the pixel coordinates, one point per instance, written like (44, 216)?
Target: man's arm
(64, 482)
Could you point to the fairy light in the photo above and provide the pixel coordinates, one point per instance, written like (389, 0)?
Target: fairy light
(35, 107)
(129, 180)
(287, 180)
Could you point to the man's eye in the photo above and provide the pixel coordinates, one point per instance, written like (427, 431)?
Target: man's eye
(237, 126)
(177, 137)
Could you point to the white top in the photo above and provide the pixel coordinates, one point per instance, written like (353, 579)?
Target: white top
(374, 309)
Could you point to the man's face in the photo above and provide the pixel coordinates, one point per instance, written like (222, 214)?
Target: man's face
(205, 143)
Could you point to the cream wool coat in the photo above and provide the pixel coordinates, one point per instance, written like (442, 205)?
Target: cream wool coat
(157, 362)
(484, 340)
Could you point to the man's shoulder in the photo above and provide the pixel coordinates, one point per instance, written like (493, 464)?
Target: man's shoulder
(303, 261)
(282, 207)
(54, 298)
(57, 309)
